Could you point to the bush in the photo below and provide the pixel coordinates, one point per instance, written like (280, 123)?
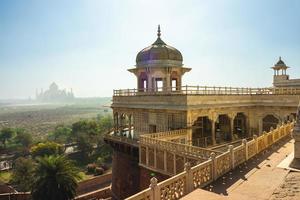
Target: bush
(99, 171)
(91, 168)
(46, 149)
(100, 161)
(104, 166)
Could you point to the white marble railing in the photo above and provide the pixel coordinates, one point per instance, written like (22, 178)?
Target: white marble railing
(208, 90)
(194, 151)
(129, 141)
(201, 175)
(168, 133)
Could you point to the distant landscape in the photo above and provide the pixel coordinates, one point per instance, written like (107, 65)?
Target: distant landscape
(41, 118)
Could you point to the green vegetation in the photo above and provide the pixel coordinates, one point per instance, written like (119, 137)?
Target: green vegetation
(46, 149)
(23, 174)
(15, 140)
(24, 138)
(61, 134)
(55, 179)
(41, 119)
(5, 176)
(5, 135)
(82, 139)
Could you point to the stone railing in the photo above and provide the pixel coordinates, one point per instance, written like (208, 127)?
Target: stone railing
(168, 133)
(208, 90)
(169, 146)
(123, 139)
(210, 170)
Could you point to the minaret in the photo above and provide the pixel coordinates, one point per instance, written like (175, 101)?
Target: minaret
(296, 136)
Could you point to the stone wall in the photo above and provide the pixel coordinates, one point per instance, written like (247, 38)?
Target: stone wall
(93, 184)
(146, 175)
(125, 177)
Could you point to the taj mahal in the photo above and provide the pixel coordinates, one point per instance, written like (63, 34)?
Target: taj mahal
(176, 137)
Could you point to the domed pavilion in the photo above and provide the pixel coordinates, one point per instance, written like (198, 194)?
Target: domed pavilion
(159, 67)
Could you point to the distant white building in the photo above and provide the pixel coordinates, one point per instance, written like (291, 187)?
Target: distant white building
(54, 94)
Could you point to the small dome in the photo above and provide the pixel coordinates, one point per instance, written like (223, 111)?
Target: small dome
(280, 62)
(158, 51)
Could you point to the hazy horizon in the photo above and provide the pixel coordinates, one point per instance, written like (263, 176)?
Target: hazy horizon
(89, 45)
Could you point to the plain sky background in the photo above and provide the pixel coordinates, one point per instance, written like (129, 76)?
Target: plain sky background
(88, 45)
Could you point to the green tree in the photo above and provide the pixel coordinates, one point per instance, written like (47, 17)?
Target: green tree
(61, 134)
(46, 149)
(55, 179)
(105, 123)
(22, 173)
(6, 134)
(24, 138)
(85, 134)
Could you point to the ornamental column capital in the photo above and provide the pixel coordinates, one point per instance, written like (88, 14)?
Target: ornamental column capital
(213, 116)
(232, 115)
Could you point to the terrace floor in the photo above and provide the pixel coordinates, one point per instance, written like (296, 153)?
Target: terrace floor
(265, 176)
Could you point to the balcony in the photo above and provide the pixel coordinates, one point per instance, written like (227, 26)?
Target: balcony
(207, 90)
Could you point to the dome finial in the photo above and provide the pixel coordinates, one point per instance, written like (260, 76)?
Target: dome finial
(279, 57)
(158, 31)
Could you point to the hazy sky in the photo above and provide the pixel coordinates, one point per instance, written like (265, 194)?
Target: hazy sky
(89, 45)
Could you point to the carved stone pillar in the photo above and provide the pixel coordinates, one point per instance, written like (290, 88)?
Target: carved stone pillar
(260, 126)
(150, 83)
(213, 118)
(213, 132)
(168, 84)
(232, 117)
(147, 156)
(129, 127)
(121, 123)
(174, 159)
(165, 161)
(117, 124)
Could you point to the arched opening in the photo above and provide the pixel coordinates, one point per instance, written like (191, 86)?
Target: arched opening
(269, 121)
(126, 125)
(240, 126)
(122, 123)
(143, 82)
(174, 81)
(223, 129)
(292, 117)
(201, 135)
(116, 123)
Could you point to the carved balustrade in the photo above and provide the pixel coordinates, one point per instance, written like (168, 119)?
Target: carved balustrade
(223, 164)
(239, 155)
(252, 148)
(165, 134)
(208, 90)
(146, 194)
(202, 174)
(216, 166)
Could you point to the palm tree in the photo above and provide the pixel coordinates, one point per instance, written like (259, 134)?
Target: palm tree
(55, 179)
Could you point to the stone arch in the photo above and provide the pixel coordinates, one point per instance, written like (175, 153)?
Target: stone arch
(143, 84)
(175, 81)
(289, 117)
(202, 131)
(240, 127)
(223, 128)
(116, 122)
(270, 120)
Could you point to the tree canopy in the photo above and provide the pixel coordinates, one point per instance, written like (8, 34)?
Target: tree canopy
(22, 174)
(46, 149)
(6, 134)
(55, 179)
